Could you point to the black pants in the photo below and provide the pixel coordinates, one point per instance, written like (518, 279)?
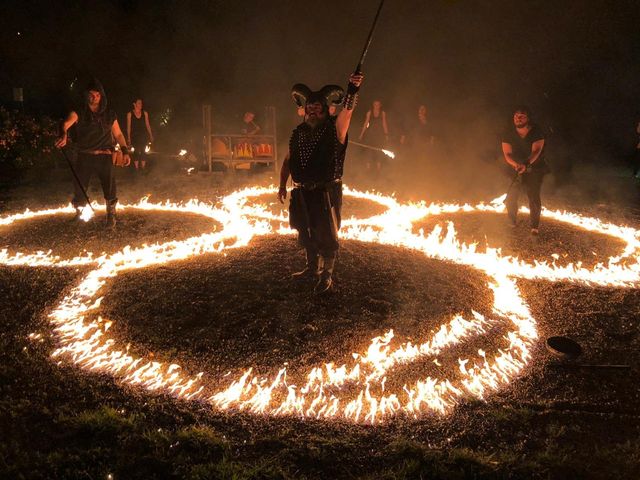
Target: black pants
(531, 183)
(139, 146)
(102, 166)
(311, 214)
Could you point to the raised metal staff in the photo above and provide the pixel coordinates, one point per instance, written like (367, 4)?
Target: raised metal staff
(369, 38)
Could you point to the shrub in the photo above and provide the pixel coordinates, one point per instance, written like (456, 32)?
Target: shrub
(26, 142)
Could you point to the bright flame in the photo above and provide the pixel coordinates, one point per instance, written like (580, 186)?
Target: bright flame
(87, 213)
(358, 390)
(182, 153)
(389, 153)
(147, 149)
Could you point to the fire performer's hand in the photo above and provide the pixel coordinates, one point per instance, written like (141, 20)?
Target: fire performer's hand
(126, 159)
(62, 141)
(521, 168)
(356, 79)
(282, 194)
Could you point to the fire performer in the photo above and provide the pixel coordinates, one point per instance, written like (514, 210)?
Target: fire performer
(139, 133)
(96, 127)
(315, 161)
(523, 149)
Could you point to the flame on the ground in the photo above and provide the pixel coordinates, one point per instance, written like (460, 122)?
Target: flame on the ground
(87, 213)
(355, 391)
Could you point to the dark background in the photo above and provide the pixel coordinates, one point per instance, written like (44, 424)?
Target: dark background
(574, 63)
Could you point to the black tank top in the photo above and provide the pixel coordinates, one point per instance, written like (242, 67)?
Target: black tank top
(93, 130)
(138, 128)
(374, 134)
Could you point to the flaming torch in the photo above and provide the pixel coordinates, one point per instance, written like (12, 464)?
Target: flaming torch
(388, 153)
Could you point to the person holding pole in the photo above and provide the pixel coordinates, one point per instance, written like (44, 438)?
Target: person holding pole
(523, 150)
(315, 162)
(96, 128)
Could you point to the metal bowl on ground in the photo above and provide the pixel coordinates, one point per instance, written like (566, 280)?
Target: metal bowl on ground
(563, 347)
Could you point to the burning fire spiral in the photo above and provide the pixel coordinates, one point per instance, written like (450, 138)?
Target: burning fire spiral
(354, 391)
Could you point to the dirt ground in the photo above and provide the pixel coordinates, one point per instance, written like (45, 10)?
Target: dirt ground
(218, 314)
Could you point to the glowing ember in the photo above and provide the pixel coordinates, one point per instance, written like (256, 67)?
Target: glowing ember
(355, 391)
(182, 152)
(147, 149)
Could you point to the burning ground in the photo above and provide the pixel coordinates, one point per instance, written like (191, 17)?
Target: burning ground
(221, 314)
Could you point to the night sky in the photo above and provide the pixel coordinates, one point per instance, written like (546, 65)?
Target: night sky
(575, 63)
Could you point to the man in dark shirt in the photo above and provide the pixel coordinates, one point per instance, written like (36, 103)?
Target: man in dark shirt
(248, 126)
(523, 149)
(315, 162)
(96, 128)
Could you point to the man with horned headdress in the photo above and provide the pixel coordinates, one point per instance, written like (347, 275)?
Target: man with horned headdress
(315, 161)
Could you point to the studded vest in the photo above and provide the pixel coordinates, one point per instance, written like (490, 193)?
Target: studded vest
(316, 155)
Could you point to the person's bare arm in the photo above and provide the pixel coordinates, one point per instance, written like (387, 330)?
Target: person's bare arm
(343, 120)
(146, 122)
(71, 119)
(129, 127)
(385, 129)
(284, 178)
(117, 134)
(507, 151)
(536, 150)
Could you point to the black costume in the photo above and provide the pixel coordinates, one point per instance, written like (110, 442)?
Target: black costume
(94, 144)
(316, 162)
(139, 135)
(531, 179)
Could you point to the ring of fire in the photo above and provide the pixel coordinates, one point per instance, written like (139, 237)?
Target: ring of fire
(87, 342)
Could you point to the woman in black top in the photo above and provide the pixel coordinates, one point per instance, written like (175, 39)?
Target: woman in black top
(375, 133)
(138, 132)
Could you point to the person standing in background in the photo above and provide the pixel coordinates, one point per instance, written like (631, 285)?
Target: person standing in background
(375, 132)
(138, 133)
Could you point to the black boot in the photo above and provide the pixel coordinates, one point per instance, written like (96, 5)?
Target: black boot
(312, 269)
(111, 216)
(78, 215)
(325, 283)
